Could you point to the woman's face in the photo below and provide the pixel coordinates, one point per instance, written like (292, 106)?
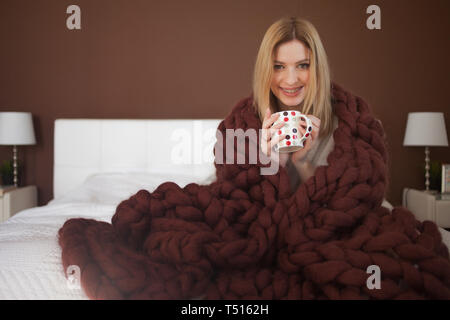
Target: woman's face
(290, 72)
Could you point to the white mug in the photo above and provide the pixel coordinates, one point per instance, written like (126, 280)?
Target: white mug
(293, 141)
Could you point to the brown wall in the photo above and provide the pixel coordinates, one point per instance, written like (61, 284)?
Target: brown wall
(194, 59)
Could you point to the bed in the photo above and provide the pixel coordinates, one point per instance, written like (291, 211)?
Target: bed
(97, 164)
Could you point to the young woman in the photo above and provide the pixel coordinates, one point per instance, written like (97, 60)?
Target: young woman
(291, 73)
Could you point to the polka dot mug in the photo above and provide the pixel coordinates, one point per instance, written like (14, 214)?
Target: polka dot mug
(293, 141)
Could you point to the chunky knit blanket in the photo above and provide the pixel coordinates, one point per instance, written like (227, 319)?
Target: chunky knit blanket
(248, 236)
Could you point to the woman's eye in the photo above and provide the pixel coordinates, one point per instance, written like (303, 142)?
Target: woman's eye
(302, 66)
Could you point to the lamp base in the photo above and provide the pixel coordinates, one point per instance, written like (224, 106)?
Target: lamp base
(16, 181)
(427, 168)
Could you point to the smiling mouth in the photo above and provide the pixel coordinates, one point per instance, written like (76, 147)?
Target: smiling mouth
(291, 91)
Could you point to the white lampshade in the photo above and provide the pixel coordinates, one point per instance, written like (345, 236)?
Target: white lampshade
(426, 129)
(16, 128)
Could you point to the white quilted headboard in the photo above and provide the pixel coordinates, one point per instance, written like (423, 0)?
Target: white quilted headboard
(86, 146)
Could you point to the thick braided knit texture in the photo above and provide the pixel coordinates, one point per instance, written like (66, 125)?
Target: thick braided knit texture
(248, 236)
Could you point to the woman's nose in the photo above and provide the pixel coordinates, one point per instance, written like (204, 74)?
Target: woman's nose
(292, 77)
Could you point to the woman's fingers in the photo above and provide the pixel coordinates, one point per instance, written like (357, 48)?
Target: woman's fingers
(273, 118)
(302, 130)
(277, 139)
(278, 125)
(266, 118)
(315, 121)
(270, 119)
(268, 133)
(310, 140)
(303, 124)
(276, 128)
(271, 130)
(315, 124)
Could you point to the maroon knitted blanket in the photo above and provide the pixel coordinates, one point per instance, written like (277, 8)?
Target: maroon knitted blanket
(248, 236)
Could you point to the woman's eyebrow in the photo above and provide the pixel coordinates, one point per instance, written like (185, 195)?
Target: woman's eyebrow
(304, 60)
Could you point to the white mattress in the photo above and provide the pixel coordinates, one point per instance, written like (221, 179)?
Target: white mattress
(30, 257)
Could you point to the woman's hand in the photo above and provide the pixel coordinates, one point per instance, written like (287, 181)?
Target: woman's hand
(300, 155)
(268, 141)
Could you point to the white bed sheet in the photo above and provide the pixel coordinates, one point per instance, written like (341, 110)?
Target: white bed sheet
(30, 266)
(30, 257)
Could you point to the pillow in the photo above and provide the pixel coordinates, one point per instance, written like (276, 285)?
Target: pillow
(114, 187)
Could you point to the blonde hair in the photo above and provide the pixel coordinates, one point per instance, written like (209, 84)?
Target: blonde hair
(317, 99)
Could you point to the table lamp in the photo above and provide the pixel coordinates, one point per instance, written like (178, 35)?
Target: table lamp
(16, 128)
(426, 129)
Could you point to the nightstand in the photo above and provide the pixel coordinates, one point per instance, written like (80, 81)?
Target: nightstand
(428, 206)
(15, 200)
